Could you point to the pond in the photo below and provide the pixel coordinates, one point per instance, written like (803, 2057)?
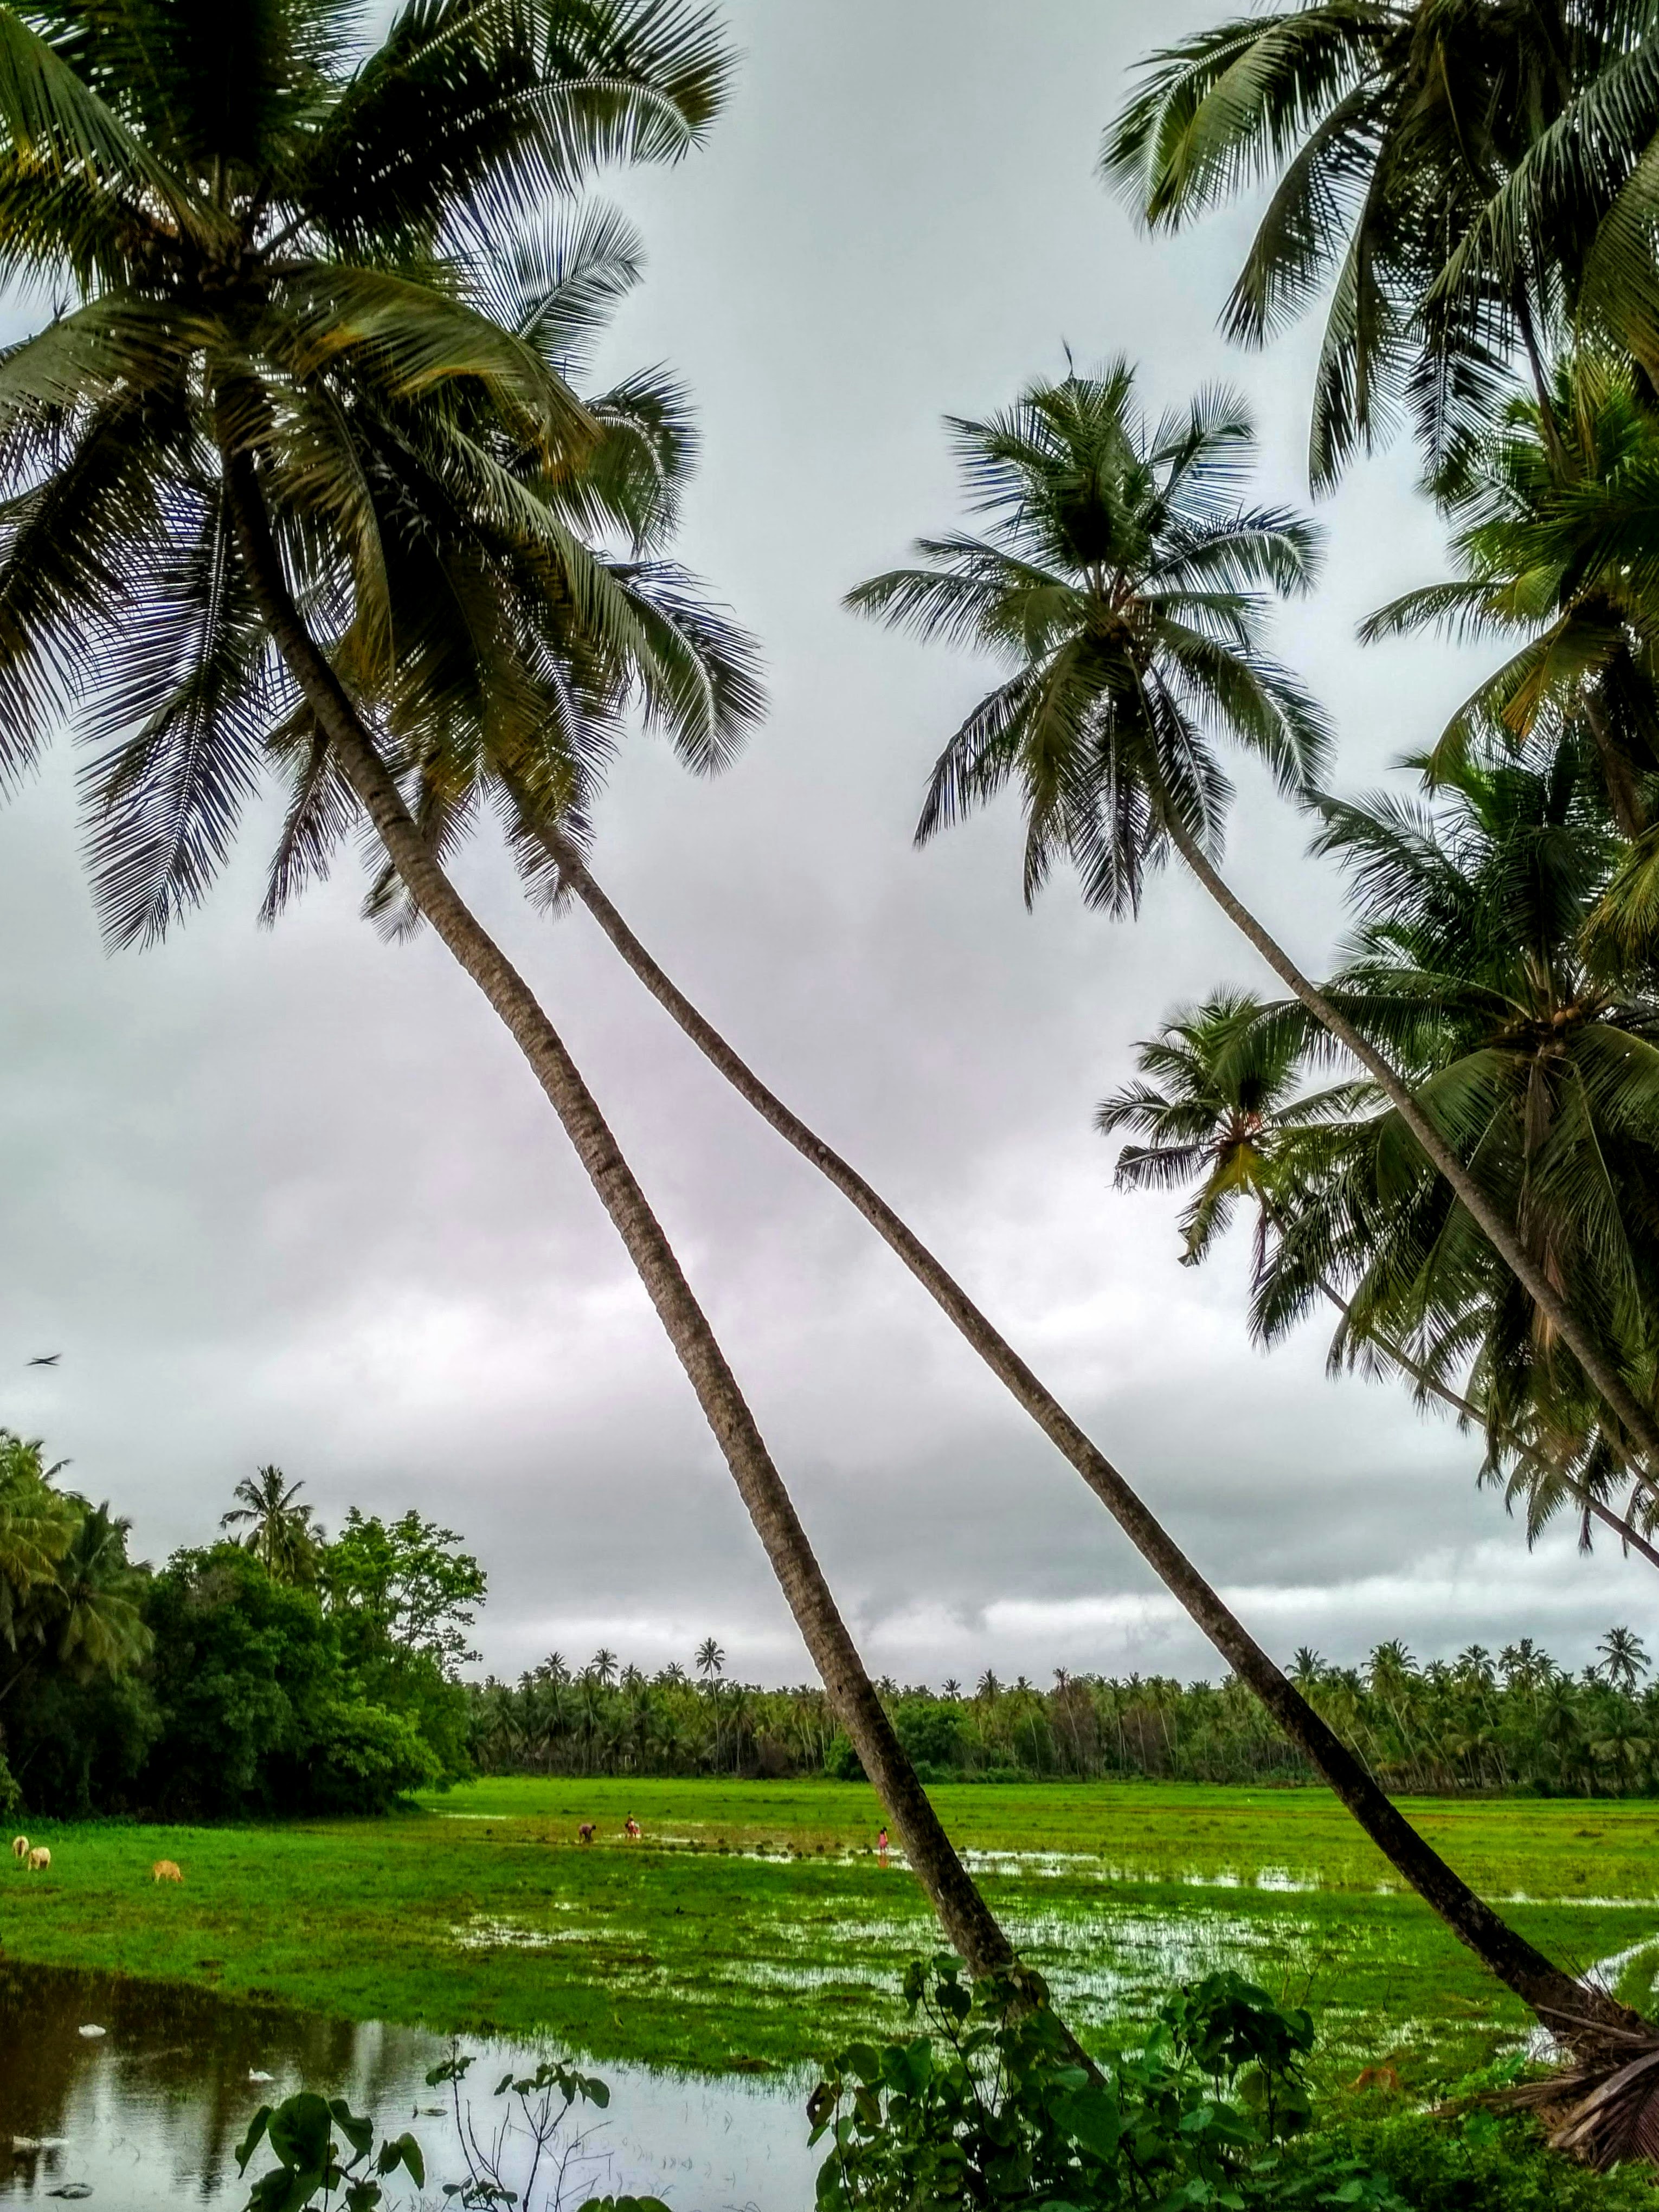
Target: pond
(146, 2116)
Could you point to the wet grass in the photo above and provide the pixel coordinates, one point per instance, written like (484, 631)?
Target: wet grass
(754, 1928)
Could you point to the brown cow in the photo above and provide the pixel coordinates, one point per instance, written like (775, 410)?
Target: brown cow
(166, 1870)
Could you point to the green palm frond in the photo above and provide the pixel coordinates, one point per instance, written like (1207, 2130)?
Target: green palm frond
(1125, 581)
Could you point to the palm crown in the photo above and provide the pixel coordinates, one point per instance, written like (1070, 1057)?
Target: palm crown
(1555, 538)
(336, 269)
(1222, 1105)
(1468, 962)
(1436, 171)
(1128, 586)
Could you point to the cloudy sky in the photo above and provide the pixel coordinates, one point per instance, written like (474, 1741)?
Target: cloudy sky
(292, 1196)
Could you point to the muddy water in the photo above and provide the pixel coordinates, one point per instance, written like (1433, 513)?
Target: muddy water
(145, 2117)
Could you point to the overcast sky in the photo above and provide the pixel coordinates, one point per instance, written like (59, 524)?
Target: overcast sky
(294, 1196)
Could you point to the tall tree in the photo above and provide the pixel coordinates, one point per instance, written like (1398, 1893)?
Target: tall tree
(271, 258)
(1123, 581)
(1120, 578)
(1220, 1107)
(1468, 960)
(284, 1536)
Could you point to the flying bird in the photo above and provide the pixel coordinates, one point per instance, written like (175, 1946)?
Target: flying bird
(46, 1360)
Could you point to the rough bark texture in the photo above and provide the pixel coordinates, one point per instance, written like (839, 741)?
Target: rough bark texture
(966, 1918)
(1555, 1996)
(1499, 1233)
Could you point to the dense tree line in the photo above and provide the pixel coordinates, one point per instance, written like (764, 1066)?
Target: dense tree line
(267, 1673)
(1515, 1721)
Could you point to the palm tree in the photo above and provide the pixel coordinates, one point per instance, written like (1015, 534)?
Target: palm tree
(1469, 962)
(286, 1538)
(1120, 580)
(709, 1661)
(274, 321)
(98, 1627)
(1555, 538)
(1624, 1660)
(38, 1527)
(1419, 151)
(1221, 1110)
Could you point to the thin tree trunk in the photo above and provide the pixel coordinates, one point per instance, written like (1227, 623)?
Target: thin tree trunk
(1551, 1993)
(966, 1918)
(1499, 1233)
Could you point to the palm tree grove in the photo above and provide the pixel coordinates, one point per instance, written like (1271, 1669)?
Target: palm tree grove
(1143, 528)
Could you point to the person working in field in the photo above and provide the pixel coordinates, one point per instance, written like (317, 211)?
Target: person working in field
(632, 1829)
(881, 1846)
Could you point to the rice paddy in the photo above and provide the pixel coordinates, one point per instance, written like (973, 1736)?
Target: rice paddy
(754, 1928)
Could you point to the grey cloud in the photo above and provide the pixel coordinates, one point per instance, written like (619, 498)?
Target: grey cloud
(291, 1195)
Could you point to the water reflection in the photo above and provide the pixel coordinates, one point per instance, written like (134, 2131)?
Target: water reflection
(148, 2115)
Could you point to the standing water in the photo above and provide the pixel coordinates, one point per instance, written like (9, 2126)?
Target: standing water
(146, 2116)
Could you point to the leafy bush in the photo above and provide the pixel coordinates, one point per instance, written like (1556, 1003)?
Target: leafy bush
(994, 2107)
(1483, 2163)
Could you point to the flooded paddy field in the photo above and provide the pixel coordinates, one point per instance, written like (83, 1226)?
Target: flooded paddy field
(755, 1928)
(134, 2095)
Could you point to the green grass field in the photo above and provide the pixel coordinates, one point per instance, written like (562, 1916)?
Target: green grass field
(754, 1928)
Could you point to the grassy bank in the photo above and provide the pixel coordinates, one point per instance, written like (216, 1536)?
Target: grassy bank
(754, 1925)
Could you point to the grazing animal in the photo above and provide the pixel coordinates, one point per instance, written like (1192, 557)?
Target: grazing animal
(39, 1858)
(19, 1847)
(166, 1870)
(585, 1833)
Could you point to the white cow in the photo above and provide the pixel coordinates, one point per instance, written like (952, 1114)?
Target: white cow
(19, 1847)
(39, 1858)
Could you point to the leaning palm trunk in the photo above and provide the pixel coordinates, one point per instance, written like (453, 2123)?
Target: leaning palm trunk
(966, 1918)
(1571, 2008)
(1637, 1420)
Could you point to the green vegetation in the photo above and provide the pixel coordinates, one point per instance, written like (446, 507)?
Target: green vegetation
(281, 1673)
(695, 1947)
(1478, 1722)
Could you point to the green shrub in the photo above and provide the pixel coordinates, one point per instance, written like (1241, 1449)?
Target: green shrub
(1483, 2163)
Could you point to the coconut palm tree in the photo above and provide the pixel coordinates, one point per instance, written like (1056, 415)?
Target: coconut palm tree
(1218, 1102)
(37, 1529)
(1555, 539)
(1121, 580)
(1393, 131)
(1220, 1105)
(273, 315)
(1624, 1660)
(98, 1626)
(1468, 962)
(284, 1536)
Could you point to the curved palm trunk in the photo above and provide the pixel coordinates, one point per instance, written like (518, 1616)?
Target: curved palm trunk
(966, 1918)
(1554, 1996)
(1616, 1393)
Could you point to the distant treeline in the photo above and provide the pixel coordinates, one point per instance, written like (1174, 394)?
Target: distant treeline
(270, 1672)
(1515, 1721)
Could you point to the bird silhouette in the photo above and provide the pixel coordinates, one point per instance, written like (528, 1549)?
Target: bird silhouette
(46, 1360)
